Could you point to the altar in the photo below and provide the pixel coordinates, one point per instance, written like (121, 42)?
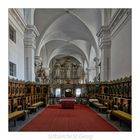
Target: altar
(67, 103)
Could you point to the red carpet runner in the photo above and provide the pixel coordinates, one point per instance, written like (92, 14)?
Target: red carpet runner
(81, 118)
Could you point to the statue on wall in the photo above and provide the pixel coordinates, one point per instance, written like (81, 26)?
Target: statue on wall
(38, 65)
(40, 73)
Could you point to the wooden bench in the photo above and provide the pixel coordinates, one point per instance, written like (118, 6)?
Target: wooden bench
(32, 109)
(97, 104)
(103, 109)
(38, 104)
(122, 116)
(15, 115)
(19, 107)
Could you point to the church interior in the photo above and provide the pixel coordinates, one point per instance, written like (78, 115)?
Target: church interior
(69, 69)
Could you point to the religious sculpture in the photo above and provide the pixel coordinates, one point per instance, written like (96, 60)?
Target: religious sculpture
(40, 73)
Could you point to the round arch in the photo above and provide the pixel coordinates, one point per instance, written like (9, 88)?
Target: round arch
(63, 51)
(44, 37)
(67, 46)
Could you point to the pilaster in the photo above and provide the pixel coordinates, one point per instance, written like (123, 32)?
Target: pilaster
(30, 35)
(104, 41)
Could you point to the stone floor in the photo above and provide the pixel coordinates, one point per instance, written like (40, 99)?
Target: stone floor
(20, 123)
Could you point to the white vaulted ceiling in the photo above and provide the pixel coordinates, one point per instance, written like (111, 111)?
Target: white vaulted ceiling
(68, 32)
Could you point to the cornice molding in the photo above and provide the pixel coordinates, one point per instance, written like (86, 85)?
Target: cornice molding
(18, 18)
(32, 28)
(103, 35)
(107, 32)
(30, 35)
(103, 30)
(119, 19)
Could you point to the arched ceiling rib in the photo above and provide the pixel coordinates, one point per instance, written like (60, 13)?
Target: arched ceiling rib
(65, 55)
(76, 28)
(43, 18)
(63, 47)
(67, 27)
(63, 58)
(78, 46)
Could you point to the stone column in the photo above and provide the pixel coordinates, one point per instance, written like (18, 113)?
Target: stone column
(104, 41)
(29, 49)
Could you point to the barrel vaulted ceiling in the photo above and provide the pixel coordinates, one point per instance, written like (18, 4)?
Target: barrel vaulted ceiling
(67, 32)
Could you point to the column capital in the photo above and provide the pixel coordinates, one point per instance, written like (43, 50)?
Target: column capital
(32, 28)
(30, 35)
(104, 37)
(38, 58)
(103, 31)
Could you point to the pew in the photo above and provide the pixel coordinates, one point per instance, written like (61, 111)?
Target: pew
(32, 109)
(122, 116)
(38, 104)
(15, 115)
(97, 104)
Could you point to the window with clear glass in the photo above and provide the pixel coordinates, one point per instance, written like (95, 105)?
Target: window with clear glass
(78, 92)
(58, 92)
(12, 33)
(12, 69)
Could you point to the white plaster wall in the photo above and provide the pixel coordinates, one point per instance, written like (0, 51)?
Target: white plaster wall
(121, 53)
(29, 64)
(16, 51)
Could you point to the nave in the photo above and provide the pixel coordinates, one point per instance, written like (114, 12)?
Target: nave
(72, 60)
